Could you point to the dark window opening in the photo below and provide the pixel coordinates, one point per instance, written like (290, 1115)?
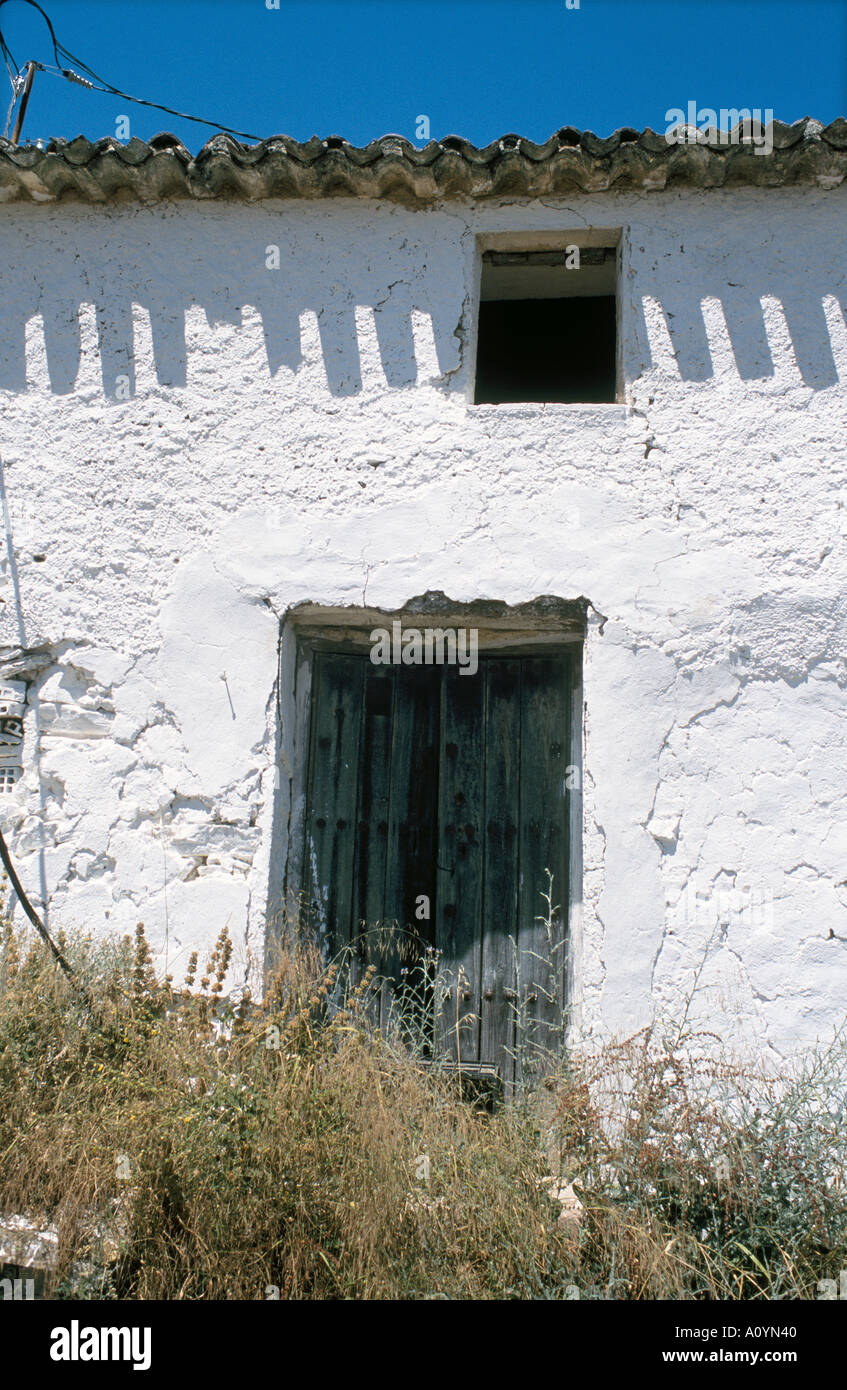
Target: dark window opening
(547, 329)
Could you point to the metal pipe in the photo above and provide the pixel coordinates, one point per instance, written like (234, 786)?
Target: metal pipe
(30, 75)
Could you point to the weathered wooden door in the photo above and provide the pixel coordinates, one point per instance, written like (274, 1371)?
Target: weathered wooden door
(436, 805)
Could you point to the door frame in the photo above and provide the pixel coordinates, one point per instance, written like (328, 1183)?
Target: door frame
(540, 626)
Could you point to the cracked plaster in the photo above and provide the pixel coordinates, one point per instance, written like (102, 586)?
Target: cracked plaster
(306, 434)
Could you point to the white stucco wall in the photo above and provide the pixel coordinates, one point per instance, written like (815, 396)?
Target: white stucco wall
(306, 434)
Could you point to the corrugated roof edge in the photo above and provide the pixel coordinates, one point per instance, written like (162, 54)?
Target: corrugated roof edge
(393, 168)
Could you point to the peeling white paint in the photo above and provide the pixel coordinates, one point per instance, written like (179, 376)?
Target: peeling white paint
(306, 434)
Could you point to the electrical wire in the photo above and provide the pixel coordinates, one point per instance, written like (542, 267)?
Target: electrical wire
(16, 78)
(93, 81)
(140, 101)
(30, 910)
(36, 921)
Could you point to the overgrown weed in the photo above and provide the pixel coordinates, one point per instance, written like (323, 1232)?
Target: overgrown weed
(186, 1144)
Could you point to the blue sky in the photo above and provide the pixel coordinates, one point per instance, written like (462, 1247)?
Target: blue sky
(478, 68)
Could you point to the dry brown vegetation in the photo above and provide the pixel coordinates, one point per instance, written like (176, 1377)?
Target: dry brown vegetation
(187, 1146)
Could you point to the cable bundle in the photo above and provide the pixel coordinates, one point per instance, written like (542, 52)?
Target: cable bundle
(63, 58)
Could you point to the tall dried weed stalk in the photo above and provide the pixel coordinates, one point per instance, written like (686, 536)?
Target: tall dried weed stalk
(189, 1145)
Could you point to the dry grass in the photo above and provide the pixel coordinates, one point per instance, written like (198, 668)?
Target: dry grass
(187, 1146)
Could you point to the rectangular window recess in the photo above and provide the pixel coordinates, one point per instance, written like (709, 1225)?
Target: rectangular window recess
(547, 329)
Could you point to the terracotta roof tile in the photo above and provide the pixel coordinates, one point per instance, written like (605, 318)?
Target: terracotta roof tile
(393, 168)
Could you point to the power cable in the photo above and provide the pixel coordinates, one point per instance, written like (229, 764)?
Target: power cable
(93, 81)
(141, 101)
(30, 910)
(21, 80)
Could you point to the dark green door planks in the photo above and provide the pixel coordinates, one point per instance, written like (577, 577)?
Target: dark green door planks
(436, 804)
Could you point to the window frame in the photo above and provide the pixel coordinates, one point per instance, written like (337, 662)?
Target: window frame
(546, 241)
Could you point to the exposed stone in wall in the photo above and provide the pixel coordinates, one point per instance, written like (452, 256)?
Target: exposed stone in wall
(112, 817)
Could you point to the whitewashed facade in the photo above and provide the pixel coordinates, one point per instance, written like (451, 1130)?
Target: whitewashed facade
(199, 434)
